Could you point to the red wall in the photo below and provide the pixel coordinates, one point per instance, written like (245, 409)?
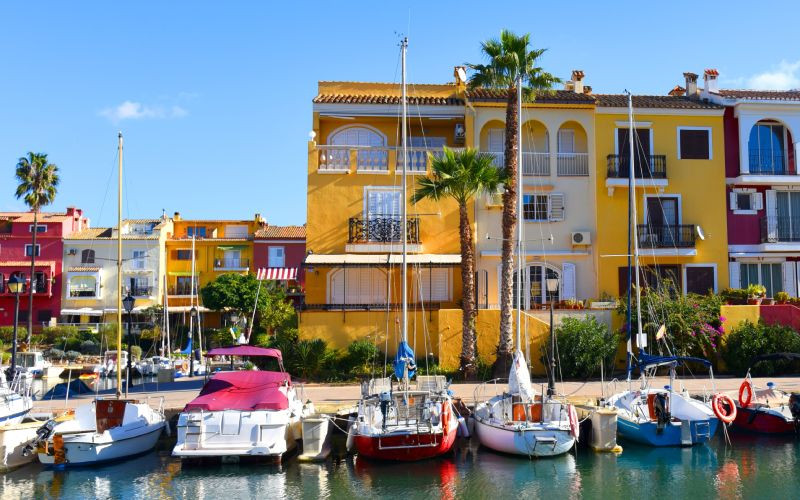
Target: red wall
(745, 229)
(731, 128)
(295, 251)
(787, 315)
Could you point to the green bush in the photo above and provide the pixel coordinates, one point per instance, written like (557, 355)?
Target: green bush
(72, 355)
(54, 354)
(582, 344)
(136, 352)
(54, 334)
(71, 344)
(749, 340)
(360, 358)
(89, 347)
(6, 357)
(7, 333)
(735, 296)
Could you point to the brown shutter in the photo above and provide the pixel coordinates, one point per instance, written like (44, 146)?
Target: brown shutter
(694, 145)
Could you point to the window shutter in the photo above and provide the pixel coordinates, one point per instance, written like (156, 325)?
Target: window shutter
(772, 216)
(378, 286)
(556, 206)
(790, 278)
(734, 281)
(732, 198)
(757, 200)
(439, 280)
(566, 141)
(568, 281)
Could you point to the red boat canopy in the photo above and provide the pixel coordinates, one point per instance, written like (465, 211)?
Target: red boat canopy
(245, 350)
(243, 390)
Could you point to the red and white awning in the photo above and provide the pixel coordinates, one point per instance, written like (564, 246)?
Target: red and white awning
(277, 273)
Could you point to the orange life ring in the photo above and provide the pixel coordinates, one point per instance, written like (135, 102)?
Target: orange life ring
(727, 412)
(186, 367)
(446, 417)
(746, 385)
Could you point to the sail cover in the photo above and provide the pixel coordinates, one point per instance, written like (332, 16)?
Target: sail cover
(243, 390)
(519, 379)
(404, 359)
(188, 349)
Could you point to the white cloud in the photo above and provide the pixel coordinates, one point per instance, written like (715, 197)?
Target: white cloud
(785, 76)
(130, 110)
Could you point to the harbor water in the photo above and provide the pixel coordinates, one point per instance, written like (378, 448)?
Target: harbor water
(753, 467)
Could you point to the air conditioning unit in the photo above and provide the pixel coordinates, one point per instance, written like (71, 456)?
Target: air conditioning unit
(581, 238)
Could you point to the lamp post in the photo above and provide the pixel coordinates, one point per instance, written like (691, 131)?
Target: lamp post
(552, 287)
(193, 314)
(128, 303)
(15, 285)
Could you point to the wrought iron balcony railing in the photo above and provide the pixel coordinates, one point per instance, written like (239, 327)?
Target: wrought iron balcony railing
(655, 167)
(666, 236)
(140, 291)
(768, 162)
(382, 230)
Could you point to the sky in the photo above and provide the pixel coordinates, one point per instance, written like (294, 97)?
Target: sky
(214, 98)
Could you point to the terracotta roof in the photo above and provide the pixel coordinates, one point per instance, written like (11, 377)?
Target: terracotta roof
(776, 95)
(107, 233)
(653, 101)
(544, 97)
(18, 263)
(386, 99)
(43, 216)
(282, 232)
(83, 269)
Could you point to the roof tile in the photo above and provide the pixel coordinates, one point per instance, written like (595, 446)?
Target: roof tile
(282, 232)
(653, 101)
(545, 97)
(776, 95)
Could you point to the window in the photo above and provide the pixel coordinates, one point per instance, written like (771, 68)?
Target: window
(367, 158)
(769, 275)
(382, 214)
(787, 222)
(535, 285)
(766, 148)
(694, 143)
(663, 277)
(141, 286)
(196, 231)
(28, 250)
(39, 282)
(534, 207)
(359, 286)
(566, 140)
(139, 259)
(83, 286)
(44, 315)
(277, 257)
(184, 286)
(184, 255)
(433, 285)
(746, 201)
(87, 256)
(236, 231)
(40, 228)
(700, 279)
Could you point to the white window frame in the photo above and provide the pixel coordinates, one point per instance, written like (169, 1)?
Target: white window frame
(758, 263)
(38, 250)
(547, 207)
(270, 255)
(139, 262)
(38, 226)
(710, 264)
(664, 195)
(636, 125)
(710, 142)
(333, 272)
(753, 195)
(526, 285)
(568, 132)
(367, 189)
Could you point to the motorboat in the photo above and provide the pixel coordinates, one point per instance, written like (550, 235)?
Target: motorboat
(767, 410)
(15, 398)
(108, 367)
(17, 440)
(150, 367)
(32, 363)
(243, 414)
(102, 431)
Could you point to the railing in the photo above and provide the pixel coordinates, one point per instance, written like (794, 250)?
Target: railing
(78, 293)
(655, 168)
(535, 163)
(338, 158)
(767, 162)
(780, 229)
(231, 263)
(572, 164)
(382, 230)
(666, 236)
(140, 291)
(431, 306)
(183, 290)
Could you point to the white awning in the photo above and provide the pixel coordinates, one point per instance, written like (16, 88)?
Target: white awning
(177, 309)
(349, 259)
(83, 311)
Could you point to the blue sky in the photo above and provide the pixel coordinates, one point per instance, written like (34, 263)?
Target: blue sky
(214, 99)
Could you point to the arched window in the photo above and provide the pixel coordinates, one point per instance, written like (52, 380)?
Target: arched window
(534, 282)
(87, 256)
(368, 159)
(767, 148)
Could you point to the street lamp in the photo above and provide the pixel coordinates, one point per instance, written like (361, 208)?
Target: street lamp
(193, 314)
(15, 285)
(552, 288)
(128, 303)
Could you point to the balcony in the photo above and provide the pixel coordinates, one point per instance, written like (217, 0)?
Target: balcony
(533, 163)
(231, 264)
(182, 290)
(572, 164)
(666, 236)
(768, 162)
(341, 159)
(140, 291)
(619, 167)
(382, 230)
(780, 229)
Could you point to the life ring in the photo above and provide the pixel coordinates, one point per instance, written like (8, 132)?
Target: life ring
(746, 386)
(574, 425)
(185, 366)
(726, 412)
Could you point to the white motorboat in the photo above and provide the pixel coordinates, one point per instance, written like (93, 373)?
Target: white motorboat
(15, 398)
(240, 414)
(102, 431)
(108, 367)
(150, 367)
(32, 363)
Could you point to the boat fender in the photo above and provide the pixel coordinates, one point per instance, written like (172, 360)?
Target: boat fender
(574, 425)
(351, 433)
(744, 402)
(663, 416)
(463, 428)
(724, 408)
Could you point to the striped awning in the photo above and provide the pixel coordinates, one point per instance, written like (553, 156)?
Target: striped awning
(277, 273)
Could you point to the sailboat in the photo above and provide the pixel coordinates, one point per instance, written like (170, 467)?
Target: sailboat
(649, 415)
(105, 429)
(404, 423)
(518, 422)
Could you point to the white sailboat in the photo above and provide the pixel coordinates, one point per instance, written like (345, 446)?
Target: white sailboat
(405, 424)
(105, 429)
(15, 398)
(518, 422)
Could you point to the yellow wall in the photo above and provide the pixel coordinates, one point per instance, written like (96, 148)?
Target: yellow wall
(700, 184)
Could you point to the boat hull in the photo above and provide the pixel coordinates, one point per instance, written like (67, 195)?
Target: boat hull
(84, 449)
(531, 442)
(647, 432)
(762, 422)
(13, 438)
(406, 447)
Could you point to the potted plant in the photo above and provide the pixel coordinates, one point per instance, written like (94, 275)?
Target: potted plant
(570, 303)
(755, 294)
(580, 304)
(782, 297)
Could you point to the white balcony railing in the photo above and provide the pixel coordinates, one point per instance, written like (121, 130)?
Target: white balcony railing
(533, 163)
(572, 164)
(368, 159)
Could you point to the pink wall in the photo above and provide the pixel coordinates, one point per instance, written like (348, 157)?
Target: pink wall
(731, 127)
(745, 229)
(787, 315)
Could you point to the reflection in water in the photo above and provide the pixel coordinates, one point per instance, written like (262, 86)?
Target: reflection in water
(752, 467)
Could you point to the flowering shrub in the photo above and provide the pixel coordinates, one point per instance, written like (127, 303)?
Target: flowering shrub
(749, 340)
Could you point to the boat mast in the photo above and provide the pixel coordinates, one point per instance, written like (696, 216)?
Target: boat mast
(633, 238)
(119, 265)
(168, 350)
(520, 217)
(404, 319)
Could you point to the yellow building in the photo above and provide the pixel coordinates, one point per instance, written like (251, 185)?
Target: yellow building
(355, 170)
(219, 247)
(680, 191)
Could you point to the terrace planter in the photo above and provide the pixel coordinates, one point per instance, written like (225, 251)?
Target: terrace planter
(754, 302)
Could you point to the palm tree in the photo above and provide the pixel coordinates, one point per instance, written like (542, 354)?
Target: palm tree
(38, 180)
(461, 176)
(510, 60)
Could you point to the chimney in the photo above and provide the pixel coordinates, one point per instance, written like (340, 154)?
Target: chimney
(691, 84)
(71, 211)
(577, 81)
(677, 91)
(710, 80)
(177, 216)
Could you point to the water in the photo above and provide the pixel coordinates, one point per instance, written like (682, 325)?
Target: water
(753, 467)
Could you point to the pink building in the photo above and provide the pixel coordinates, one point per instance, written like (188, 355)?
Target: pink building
(281, 251)
(15, 250)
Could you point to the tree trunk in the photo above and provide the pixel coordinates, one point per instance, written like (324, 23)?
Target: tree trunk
(33, 274)
(468, 354)
(505, 345)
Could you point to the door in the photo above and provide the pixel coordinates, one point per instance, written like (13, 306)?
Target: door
(662, 222)
(788, 219)
(383, 215)
(641, 152)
